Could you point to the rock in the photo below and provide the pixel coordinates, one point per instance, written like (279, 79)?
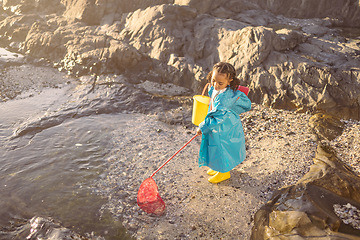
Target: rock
(201, 6)
(168, 89)
(47, 228)
(288, 39)
(349, 214)
(258, 45)
(348, 12)
(16, 27)
(102, 12)
(7, 57)
(31, 6)
(325, 127)
(311, 207)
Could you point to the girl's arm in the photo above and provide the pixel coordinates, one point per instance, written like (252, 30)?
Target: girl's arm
(212, 120)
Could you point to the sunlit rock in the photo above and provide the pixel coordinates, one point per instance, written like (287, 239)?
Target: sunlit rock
(325, 127)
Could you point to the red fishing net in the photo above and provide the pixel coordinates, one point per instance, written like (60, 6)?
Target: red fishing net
(149, 199)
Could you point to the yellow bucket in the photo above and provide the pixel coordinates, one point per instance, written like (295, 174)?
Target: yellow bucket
(200, 109)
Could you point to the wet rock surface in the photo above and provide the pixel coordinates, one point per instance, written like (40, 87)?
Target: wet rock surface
(22, 81)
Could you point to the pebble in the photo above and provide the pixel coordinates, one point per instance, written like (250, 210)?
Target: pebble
(349, 214)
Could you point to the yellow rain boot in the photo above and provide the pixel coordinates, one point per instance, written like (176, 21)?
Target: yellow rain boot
(219, 177)
(211, 172)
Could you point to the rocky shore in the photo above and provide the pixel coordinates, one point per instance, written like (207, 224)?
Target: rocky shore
(149, 57)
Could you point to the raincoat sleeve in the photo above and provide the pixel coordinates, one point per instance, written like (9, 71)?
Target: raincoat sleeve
(212, 120)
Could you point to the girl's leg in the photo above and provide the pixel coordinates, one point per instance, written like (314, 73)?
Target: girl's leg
(219, 177)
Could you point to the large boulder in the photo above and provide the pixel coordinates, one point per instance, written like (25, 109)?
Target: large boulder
(16, 27)
(324, 204)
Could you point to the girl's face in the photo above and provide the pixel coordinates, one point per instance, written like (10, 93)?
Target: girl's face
(219, 80)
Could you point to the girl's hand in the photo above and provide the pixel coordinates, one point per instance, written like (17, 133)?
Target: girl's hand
(198, 132)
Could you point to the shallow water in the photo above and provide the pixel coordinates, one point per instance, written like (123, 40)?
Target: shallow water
(51, 174)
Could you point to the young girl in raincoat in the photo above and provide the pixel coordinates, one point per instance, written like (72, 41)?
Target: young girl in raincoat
(223, 143)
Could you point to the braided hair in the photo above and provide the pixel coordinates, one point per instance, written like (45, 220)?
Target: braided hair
(229, 70)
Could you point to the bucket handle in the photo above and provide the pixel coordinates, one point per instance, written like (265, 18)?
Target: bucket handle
(206, 86)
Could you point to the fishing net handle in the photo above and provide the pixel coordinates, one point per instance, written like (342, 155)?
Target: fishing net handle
(173, 155)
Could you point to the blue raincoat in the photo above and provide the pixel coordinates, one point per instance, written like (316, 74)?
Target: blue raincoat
(223, 143)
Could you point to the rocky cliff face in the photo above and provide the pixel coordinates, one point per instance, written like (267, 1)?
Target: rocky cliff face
(298, 60)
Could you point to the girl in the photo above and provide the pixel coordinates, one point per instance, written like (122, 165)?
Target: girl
(223, 144)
